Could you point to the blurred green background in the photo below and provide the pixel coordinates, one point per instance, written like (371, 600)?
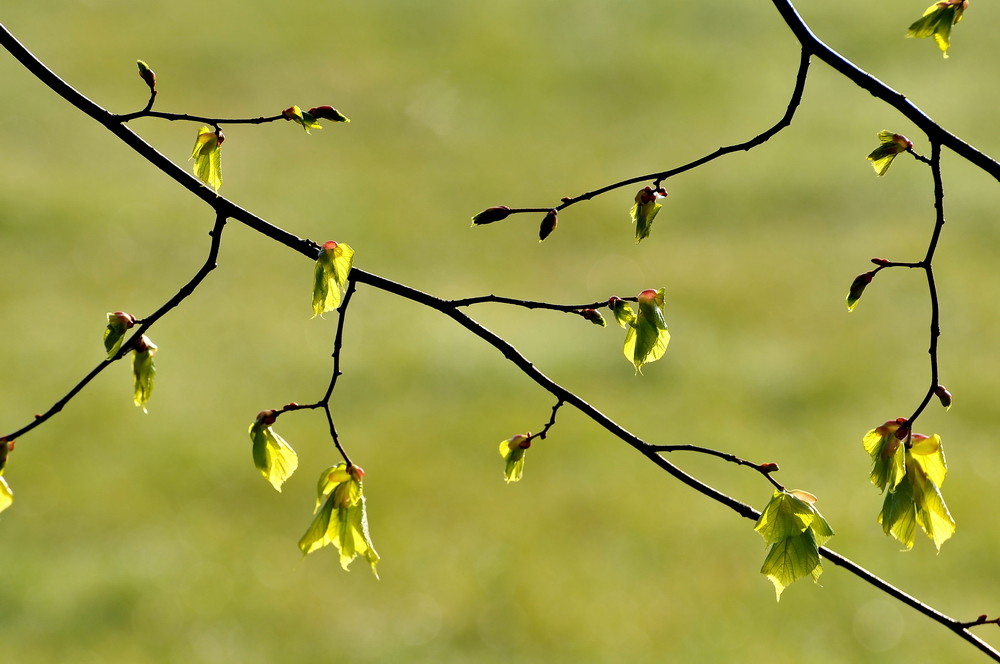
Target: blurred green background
(151, 538)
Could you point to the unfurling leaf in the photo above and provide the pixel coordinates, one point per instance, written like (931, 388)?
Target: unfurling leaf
(207, 156)
(304, 118)
(647, 337)
(118, 324)
(490, 215)
(890, 145)
(857, 288)
(6, 494)
(330, 276)
(910, 470)
(512, 450)
(623, 312)
(794, 529)
(548, 225)
(144, 371)
(340, 517)
(645, 210)
(273, 457)
(146, 74)
(594, 316)
(937, 21)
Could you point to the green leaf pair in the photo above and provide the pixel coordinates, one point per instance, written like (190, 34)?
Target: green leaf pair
(910, 474)
(794, 530)
(937, 22)
(513, 450)
(340, 517)
(645, 209)
(890, 145)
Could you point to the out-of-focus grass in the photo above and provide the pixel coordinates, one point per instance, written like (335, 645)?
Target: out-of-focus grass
(151, 538)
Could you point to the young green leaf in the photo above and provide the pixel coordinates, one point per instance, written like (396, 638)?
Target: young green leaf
(207, 157)
(330, 276)
(622, 311)
(937, 21)
(647, 337)
(118, 324)
(513, 450)
(794, 530)
(6, 494)
(146, 74)
(858, 288)
(911, 476)
(327, 113)
(645, 210)
(304, 118)
(340, 517)
(890, 145)
(143, 370)
(273, 457)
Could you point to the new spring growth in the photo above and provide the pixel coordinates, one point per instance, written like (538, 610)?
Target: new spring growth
(857, 288)
(890, 145)
(207, 155)
(6, 494)
(593, 316)
(645, 210)
(512, 450)
(937, 21)
(548, 224)
(272, 456)
(328, 113)
(118, 324)
(144, 370)
(147, 75)
(943, 395)
(489, 215)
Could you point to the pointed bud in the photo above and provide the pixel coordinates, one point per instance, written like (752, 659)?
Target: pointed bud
(882, 262)
(489, 215)
(943, 395)
(857, 288)
(146, 74)
(548, 225)
(328, 113)
(594, 317)
(768, 467)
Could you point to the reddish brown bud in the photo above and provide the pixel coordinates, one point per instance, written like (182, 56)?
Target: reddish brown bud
(328, 113)
(943, 395)
(489, 215)
(768, 467)
(881, 261)
(548, 225)
(267, 417)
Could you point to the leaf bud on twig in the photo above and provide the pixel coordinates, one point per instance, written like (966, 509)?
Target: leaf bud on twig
(548, 225)
(489, 215)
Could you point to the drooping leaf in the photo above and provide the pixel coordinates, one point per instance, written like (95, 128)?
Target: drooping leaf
(513, 450)
(644, 211)
(6, 494)
(273, 457)
(888, 454)
(911, 477)
(330, 276)
(890, 145)
(794, 529)
(858, 288)
(146, 74)
(340, 517)
(623, 312)
(143, 370)
(119, 323)
(647, 336)
(207, 157)
(328, 113)
(937, 22)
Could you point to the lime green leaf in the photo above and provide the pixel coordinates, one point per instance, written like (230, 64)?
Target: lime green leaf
(6, 495)
(144, 371)
(857, 288)
(5, 448)
(890, 145)
(273, 457)
(512, 450)
(913, 495)
(888, 454)
(207, 157)
(304, 118)
(623, 312)
(330, 276)
(647, 337)
(794, 530)
(340, 517)
(937, 22)
(118, 324)
(645, 210)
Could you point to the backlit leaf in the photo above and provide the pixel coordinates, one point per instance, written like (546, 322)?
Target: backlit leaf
(644, 211)
(330, 276)
(207, 157)
(937, 22)
(119, 323)
(6, 494)
(890, 145)
(273, 457)
(888, 455)
(340, 517)
(794, 529)
(513, 450)
(647, 337)
(143, 370)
